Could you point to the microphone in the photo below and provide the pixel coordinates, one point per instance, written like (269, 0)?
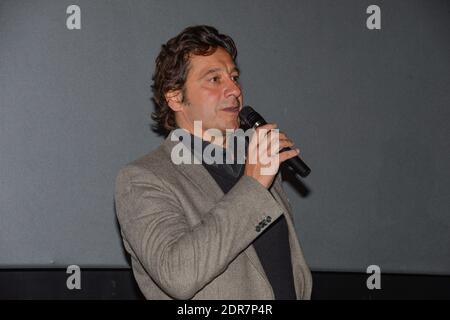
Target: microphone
(249, 118)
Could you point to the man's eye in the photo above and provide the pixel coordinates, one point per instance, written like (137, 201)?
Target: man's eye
(235, 78)
(214, 79)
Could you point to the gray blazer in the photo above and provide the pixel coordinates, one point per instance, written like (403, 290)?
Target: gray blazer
(187, 240)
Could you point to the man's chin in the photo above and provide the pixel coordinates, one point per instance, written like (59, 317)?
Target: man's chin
(235, 125)
(229, 128)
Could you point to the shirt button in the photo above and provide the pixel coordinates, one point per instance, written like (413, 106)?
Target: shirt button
(258, 228)
(269, 218)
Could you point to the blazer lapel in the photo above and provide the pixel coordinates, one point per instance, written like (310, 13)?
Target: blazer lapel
(196, 173)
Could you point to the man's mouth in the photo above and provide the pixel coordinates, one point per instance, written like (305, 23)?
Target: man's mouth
(232, 109)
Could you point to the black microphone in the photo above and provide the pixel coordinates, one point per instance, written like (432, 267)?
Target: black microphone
(249, 118)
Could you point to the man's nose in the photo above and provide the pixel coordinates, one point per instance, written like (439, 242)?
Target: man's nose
(232, 88)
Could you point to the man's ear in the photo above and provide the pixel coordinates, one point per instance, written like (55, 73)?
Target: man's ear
(174, 99)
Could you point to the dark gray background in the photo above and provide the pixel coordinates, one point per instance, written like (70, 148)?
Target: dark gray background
(369, 110)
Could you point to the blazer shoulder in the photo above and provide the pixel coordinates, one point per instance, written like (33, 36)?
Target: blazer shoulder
(150, 165)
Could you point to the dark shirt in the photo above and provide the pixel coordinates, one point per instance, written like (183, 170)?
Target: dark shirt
(272, 246)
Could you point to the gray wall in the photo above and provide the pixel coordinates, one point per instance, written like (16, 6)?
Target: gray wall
(369, 110)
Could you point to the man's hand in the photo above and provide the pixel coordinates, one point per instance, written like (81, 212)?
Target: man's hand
(264, 156)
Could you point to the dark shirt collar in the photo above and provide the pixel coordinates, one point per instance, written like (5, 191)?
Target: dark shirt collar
(198, 146)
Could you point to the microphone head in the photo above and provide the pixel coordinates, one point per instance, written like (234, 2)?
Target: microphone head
(249, 118)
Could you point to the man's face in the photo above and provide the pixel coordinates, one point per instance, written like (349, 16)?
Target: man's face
(212, 93)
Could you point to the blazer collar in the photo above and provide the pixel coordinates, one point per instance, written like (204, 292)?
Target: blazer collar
(195, 172)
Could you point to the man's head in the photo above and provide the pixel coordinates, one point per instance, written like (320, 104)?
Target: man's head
(196, 78)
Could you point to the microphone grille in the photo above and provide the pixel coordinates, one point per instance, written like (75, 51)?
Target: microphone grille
(249, 117)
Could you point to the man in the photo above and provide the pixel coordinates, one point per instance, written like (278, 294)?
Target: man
(208, 231)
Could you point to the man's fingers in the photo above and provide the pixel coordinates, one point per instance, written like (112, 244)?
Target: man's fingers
(269, 143)
(276, 146)
(267, 127)
(283, 156)
(262, 132)
(278, 143)
(286, 143)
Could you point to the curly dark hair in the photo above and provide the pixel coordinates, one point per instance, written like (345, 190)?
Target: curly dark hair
(172, 65)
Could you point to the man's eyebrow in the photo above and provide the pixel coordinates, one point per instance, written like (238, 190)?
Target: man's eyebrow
(213, 70)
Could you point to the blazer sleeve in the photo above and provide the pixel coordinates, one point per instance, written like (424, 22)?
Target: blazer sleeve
(182, 259)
